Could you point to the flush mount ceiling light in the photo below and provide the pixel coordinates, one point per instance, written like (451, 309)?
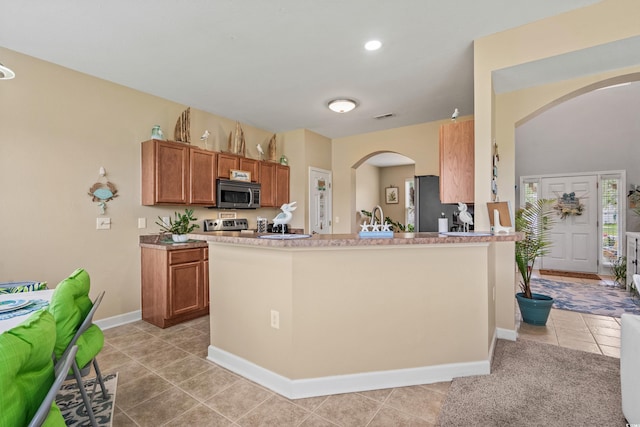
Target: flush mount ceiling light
(373, 45)
(6, 73)
(342, 105)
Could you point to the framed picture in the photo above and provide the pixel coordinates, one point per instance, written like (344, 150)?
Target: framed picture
(391, 195)
(237, 175)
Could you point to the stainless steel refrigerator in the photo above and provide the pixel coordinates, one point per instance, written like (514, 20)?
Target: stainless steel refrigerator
(428, 207)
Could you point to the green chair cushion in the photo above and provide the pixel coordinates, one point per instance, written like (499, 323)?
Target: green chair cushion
(26, 370)
(70, 304)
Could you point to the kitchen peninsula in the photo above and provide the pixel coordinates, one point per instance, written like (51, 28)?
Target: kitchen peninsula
(339, 313)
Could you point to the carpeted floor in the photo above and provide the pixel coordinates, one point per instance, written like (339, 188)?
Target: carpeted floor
(71, 405)
(535, 384)
(587, 298)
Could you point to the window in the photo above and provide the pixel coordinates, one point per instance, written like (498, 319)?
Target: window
(530, 189)
(610, 217)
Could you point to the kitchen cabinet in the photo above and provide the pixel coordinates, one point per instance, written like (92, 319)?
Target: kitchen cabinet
(274, 184)
(267, 184)
(226, 162)
(202, 177)
(457, 162)
(633, 241)
(174, 284)
(165, 174)
(282, 185)
(178, 174)
(250, 165)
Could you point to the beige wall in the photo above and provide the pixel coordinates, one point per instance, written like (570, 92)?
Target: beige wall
(57, 127)
(418, 142)
(396, 177)
(497, 116)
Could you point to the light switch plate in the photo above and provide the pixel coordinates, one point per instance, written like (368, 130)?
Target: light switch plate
(142, 222)
(103, 223)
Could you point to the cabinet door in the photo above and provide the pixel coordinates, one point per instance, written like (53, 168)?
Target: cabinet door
(267, 184)
(202, 177)
(165, 167)
(250, 165)
(226, 162)
(186, 291)
(457, 162)
(282, 185)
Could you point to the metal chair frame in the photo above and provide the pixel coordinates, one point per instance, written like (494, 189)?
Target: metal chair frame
(78, 372)
(61, 371)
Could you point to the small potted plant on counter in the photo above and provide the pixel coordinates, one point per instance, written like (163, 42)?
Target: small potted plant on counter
(179, 226)
(535, 222)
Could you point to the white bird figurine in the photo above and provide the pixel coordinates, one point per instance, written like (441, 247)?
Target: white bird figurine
(465, 216)
(205, 137)
(285, 216)
(455, 114)
(260, 150)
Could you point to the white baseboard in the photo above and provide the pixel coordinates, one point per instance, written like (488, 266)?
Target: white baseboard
(322, 386)
(121, 319)
(506, 334)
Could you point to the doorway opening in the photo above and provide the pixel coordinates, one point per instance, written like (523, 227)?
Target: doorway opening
(591, 240)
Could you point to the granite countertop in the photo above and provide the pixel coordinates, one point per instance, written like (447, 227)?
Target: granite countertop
(164, 242)
(346, 240)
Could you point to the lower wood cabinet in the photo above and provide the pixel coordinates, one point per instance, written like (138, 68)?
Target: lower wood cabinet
(175, 285)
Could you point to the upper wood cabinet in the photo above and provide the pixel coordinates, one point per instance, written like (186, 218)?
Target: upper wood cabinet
(202, 177)
(274, 184)
(165, 174)
(282, 185)
(267, 184)
(177, 174)
(457, 162)
(250, 165)
(226, 162)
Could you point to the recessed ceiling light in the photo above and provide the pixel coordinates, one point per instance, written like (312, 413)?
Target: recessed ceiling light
(6, 73)
(342, 105)
(373, 45)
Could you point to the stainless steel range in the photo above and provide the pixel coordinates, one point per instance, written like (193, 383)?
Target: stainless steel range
(220, 224)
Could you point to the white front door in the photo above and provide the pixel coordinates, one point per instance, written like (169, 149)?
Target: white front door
(575, 238)
(320, 201)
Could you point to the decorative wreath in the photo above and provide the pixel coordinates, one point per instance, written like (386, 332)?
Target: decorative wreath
(569, 205)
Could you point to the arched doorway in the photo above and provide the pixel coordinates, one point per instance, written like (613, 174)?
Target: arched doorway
(377, 172)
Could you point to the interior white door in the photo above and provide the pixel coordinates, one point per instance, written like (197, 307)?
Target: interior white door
(320, 201)
(575, 242)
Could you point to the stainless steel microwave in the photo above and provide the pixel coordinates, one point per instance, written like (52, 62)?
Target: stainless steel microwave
(237, 194)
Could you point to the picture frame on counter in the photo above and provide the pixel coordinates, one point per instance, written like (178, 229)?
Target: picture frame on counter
(391, 195)
(238, 175)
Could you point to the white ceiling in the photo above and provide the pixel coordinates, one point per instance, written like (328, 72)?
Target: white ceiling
(275, 64)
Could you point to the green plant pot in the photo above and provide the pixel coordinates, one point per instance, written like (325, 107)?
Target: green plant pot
(535, 311)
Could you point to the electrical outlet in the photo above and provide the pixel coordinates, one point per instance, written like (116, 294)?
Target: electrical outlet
(275, 319)
(165, 220)
(103, 223)
(142, 222)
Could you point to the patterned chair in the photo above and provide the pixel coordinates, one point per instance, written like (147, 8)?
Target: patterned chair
(15, 287)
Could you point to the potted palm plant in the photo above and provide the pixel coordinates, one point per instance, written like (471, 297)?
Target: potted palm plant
(179, 226)
(535, 222)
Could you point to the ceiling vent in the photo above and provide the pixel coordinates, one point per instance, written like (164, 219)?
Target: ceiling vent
(384, 116)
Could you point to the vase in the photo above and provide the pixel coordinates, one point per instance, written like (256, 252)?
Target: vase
(179, 238)
(535, 311)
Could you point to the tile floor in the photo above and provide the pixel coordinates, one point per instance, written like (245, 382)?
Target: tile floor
(164, 379)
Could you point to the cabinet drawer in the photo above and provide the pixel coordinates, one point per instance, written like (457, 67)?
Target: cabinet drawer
(185, 255)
